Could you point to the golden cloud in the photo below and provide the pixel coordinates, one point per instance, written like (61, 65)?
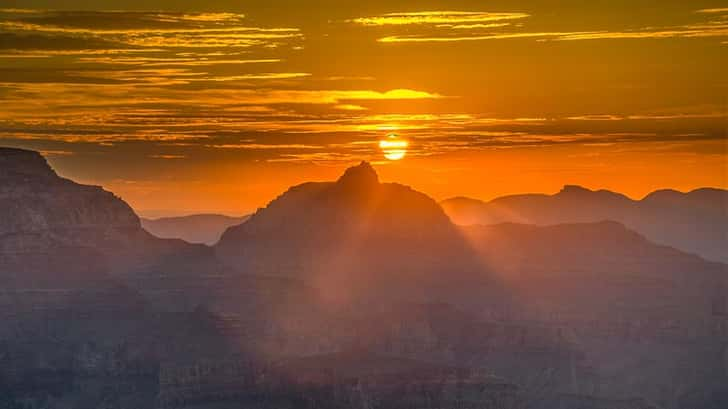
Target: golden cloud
(437, 17)
(453, 26)
(151, 29)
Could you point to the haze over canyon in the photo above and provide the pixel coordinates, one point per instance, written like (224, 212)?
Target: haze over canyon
(361, 294)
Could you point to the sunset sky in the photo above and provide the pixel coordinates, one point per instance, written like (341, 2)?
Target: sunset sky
(219, 105)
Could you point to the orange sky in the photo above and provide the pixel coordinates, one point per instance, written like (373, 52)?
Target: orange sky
(220, 106)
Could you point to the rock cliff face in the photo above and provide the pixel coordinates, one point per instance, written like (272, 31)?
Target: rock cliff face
(75, 326)
(54, 231)
(94, 347)
(36, 199)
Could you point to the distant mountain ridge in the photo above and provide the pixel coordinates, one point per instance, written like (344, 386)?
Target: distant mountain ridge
(696, 221)
(194, 228)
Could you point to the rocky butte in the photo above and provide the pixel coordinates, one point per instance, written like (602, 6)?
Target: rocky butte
(356, 235)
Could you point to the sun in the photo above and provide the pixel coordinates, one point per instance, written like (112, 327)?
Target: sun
(393, 147)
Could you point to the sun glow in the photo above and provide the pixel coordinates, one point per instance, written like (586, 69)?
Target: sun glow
(393, 147)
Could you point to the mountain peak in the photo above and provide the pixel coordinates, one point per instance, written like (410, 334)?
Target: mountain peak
(352, 228)
(20, 162)
(574, 189)
(362, 175)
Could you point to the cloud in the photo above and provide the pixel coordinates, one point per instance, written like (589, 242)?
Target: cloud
(687, 31)
(119, 19)
(34, 41)
(684, 32)
(701, 112)
(259, 76)
(20, 11)
(713, 11)
(215, 126)
(598, 117)
(448, 39)
(172, 76)
(166, 156)
(349, 78)
(319, 158)
(151, 98)
(265, 146)
(172, 61)
(146, 29)
(350, 107)
(49, 152)
(218, 84)
(473, 26)
(451, 26)
(207, 17)
(437, 17)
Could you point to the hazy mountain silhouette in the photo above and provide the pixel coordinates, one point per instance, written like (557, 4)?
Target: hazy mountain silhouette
(53, 229)
(84, 290)
(354, 232)
(635, 311)
(601, 265)
(194, 228)
(353, 294)
(696, 221)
